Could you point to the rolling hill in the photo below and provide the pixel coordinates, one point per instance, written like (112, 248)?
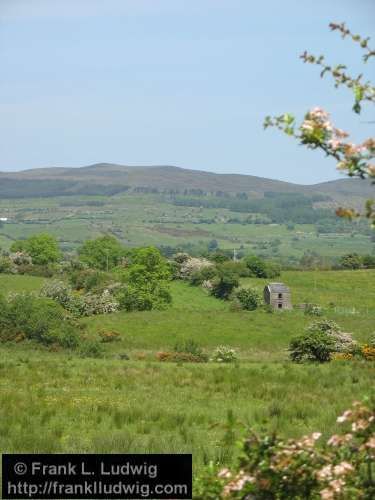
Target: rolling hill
(110, 179)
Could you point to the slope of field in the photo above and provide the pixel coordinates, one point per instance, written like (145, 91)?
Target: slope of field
(141, 405)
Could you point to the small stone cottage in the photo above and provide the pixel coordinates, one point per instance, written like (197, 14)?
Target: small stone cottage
(278, 296)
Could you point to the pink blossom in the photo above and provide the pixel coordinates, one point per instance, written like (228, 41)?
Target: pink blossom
(327, 494)
(340, 134)
(342, 469)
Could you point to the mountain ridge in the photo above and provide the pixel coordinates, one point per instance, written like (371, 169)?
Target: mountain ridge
(74, 180)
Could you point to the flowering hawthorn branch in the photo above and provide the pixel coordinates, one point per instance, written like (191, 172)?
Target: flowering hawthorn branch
(317, 132)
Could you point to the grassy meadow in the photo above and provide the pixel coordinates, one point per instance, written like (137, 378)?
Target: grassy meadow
(59, 402)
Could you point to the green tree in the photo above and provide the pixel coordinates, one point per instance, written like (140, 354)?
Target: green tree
(42, 248)
(103, 253)
(260, 268)
(145, 281)
(224, 284)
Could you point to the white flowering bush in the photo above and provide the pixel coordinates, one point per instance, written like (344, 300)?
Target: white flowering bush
(342, 341)
(20, 258)
(100, 304)
(343, 467)
(192, 265)
(58, 291)
(77, 304)
(223, 354)
(321, 342)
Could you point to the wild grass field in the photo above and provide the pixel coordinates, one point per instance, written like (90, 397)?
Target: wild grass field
(59, 402)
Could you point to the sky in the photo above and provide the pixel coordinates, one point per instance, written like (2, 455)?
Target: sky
(173, 82)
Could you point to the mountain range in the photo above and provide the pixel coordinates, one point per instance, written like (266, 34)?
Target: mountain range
(110, 179)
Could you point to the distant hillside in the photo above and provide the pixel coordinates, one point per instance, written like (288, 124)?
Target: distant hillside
(110, 179)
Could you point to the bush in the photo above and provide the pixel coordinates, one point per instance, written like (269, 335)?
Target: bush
(322, 338)
(190, 265)
(26, 316)
(133, 298)
(80, 305)
(239, 267)
(109, 336)
(89, 279)
(343, 342)
(261, 268)
(58, 291)
(205, 274)
(7, 266)
(248, 298)
(368, 352)
(351, 261)
(224, 354)
(191, 347)
(307, 468)
(179, 357)
(224, 284)
(316, 346)
(100, 304)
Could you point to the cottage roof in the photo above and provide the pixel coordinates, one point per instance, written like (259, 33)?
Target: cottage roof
(278, 288)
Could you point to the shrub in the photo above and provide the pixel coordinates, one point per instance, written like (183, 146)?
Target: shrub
(261, 268)
(351, 261)
(133, 298)
(238, 267)
(100, 304)
(307, 468)
(342, 356)
(26, 316)
(323, 325)
(191, 347)
(248, 298)
(368, 352)
(316, 346)
(224, 354)
(69, 338)
(109, 336)
(7, 266)
(343, 342)
(190, 266)
(89, 279)
(205, 274)
(58, 291)
(224, 284)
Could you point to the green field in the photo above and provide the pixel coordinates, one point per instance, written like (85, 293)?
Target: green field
(143, 405)
(139, 220)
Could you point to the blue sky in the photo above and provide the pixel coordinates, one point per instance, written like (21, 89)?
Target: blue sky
(172, 82)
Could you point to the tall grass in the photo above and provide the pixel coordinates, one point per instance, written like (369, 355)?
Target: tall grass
(51, 402)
